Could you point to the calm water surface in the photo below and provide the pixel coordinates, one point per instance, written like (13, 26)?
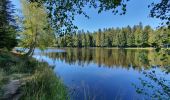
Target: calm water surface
(110, 74)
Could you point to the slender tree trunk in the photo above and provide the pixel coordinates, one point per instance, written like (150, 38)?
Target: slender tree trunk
(31, 49)
(33, 45)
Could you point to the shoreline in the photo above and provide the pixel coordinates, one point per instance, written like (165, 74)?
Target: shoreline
(25, 75)
(151, 48)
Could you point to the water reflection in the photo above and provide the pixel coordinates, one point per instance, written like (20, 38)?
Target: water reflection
(108, 74)
(110, 57)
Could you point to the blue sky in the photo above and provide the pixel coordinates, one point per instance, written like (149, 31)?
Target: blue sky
(137, 11)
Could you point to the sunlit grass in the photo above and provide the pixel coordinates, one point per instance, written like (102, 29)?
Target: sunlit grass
(44, 85)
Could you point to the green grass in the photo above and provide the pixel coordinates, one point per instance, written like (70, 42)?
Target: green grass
(44, 85)
(39, 80)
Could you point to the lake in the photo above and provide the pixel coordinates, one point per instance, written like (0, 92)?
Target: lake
(110, 74)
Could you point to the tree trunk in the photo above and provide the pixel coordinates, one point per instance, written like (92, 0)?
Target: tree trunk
(32, 47)
(30, 51)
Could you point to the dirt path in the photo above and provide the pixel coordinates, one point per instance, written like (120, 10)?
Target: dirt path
(11, 90)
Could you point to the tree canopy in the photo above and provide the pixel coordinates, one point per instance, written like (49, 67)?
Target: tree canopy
(36, 30)
(62, 12)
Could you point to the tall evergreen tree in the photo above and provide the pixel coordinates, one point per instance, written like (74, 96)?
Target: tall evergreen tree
(75, 40)
(7, 25)
(98, 37)
(102, 39)
(79, 40)
(93, 37)
(130, 37)
(88, 39)
(83, 40)
(138, 35)
(145, 36)
(115, 37)
(122, 38)
(69, 40)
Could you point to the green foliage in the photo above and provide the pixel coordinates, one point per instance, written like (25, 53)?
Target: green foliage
(13, 64)
(44, 85)
(84, 43)
(158, 83)
(7, 25)
(98, 41)
(145, 36)
(125, 37)
(161, 10)
(130, 37)
(122, 39)
(138, 35)
(36, 29)
(41, 82)
(64, 11)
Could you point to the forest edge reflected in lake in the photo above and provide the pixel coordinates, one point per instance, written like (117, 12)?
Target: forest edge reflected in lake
(95, 73)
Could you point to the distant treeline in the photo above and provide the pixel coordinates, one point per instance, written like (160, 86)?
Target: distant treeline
(136, 36)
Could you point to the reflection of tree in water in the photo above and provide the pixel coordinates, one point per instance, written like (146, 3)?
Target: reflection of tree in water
(144, 57)
(155, 85)
(110, 57)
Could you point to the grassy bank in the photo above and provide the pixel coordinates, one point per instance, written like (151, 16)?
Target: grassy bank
(35, 80)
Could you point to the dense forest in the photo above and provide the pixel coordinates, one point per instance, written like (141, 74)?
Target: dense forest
(136, 36)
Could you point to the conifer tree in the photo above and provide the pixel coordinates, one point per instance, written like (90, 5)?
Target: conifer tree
(7, 25)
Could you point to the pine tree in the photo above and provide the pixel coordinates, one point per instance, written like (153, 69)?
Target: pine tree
(69, 40)
(83, 40)
(122, 38)
(98, 37)
(94, 39)
(115, 37)
(138, 35)
(130, 37)
(75, 40)
(102, 39)
(88, 39)
(145, 36)
(79, 40)
(7, 25)
(109, 38)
